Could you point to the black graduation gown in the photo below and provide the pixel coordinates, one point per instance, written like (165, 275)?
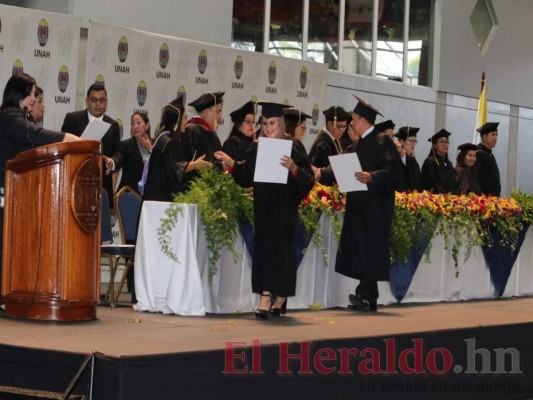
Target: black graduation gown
(165, 171)
(198, 140)
(438, 175)
(364, 245)
(323, 147)
(413, 177)
(236, 146)
(488, 172)
(275, 219)
(467, 180)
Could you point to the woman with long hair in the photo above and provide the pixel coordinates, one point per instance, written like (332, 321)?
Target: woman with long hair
(465, 169)
(18, 132)
(275, 216)
(164, 172)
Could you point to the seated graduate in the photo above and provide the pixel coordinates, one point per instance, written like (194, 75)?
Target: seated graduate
(406, 136)
(275, 216)
(164, 172)
(465, 169)
(438, 174)
(242, 133)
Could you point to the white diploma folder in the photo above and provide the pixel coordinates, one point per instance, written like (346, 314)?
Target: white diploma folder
(344, 167)
(95, 130)
(269, 154)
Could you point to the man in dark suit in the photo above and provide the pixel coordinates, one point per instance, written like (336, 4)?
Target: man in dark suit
(76, 122)
(364, 244)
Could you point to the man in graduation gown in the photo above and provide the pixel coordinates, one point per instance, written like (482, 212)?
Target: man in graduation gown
(410, 167)
(76, 122)
(199, 137)
(327, 141)
(487, 168)
(364, 245)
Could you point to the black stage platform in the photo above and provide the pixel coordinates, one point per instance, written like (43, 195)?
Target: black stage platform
(464, 350)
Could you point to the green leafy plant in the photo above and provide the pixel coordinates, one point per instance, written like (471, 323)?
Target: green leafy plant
(222, 204)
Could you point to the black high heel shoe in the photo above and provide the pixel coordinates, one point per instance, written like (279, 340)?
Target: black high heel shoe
(276, 312)
(260, 313)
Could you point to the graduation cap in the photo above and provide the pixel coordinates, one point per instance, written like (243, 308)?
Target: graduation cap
(467, 147)
(488, 128)
(269, 110)
(406, 131)
(240, 114)
(366, 110)
(382, 126)
(295, 115)
(207, 100)
(335, 114)
(440, 134)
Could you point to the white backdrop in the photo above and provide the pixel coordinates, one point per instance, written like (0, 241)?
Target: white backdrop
(144, 71)
(46, 46)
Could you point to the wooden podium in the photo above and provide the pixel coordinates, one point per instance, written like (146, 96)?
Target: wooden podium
(51, 249)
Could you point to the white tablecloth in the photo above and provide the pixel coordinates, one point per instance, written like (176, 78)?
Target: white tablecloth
(182, 287)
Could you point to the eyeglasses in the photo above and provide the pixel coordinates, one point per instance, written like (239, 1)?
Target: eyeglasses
(442, 142)
(98, 100)
(248, 121)
(412, 141)
(342, 127)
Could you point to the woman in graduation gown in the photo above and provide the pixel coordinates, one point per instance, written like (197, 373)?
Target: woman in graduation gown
(413, 177)
(465, 169)
(295, 126)
(164, 172)
(275, 216)
(438, 174)
(242, 134)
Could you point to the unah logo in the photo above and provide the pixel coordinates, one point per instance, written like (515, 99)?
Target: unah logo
(141, 93)
(100, 79)
(62, 79)
(183, 93)
(42, 32)
(120, 127)
(303, 77)
(123, 49)
(272, 73)
(163, 55)
(202, 62)
(17, 67)
(316, 113)
(238, 67)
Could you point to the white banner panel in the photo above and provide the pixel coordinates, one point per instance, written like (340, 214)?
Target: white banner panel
(46, 46)
(144, 71)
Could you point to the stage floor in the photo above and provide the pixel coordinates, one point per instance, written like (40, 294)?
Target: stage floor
(121, 331)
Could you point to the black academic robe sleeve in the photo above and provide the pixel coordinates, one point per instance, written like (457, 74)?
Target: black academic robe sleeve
(413, 177)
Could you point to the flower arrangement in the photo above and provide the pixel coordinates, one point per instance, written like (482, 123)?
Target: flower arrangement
(321, 199)
(222, 204)
(463, 221)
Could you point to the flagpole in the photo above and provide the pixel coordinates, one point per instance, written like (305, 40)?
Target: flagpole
(481, 110)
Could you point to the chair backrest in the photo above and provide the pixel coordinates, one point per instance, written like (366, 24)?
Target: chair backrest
(128, 208)
(107, 234)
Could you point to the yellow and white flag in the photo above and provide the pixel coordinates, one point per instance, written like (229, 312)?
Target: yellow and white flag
(481, 110)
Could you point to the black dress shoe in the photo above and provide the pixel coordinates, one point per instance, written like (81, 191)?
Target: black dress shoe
(262, 314)
(360, 304)
(277, 312)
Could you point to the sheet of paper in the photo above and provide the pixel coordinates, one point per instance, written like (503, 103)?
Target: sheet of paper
(344, 167)
(269, 154)
(95, 130)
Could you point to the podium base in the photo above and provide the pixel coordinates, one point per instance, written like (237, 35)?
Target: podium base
(52, 311)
